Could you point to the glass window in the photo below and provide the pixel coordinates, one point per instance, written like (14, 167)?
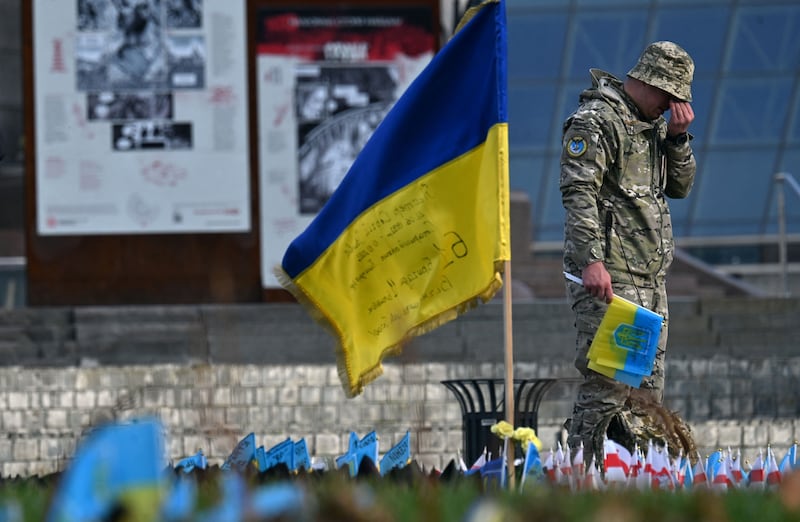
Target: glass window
(530, 114)
(766, 39)
(752, 111)
(680, 209)
(699, 30)
(702, 104)
(548, 210)
(690, 2)
(615, 3)
(732, 191)
(511, 5)
(525, 174)
(13, 130)
(535, 43)
(569, 102)
(791, 164)
(611, 41)
(794, 131)
(754, 95)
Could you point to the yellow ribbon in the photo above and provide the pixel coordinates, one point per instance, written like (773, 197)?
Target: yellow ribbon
(504, 430)
(526, 435)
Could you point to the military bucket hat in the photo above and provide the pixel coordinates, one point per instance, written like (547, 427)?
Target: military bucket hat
(667, 66)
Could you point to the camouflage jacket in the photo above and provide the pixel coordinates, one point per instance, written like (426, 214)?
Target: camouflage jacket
(616, 170)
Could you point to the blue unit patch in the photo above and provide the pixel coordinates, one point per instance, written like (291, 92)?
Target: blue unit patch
(576, 146)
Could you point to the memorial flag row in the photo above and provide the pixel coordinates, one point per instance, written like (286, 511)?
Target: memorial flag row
(124, 466)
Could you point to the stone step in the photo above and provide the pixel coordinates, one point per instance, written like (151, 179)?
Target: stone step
(755, 320)
(686, 277)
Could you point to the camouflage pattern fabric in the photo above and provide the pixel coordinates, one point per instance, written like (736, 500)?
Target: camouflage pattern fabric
(667, 66)
(601, 399)
(616, 172)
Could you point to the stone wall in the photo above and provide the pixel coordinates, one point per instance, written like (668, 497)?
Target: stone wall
(215, 373)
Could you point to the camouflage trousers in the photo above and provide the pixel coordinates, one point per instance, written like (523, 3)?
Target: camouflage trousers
(600, 398)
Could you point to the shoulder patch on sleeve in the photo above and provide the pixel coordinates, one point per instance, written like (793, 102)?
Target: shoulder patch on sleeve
(576, 146)
(579, 144)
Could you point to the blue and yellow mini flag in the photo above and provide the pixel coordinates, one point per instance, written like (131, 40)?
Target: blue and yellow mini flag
(301, 457)
(281, 453)
(397, 457)
(624, 347)
(242, 455)
(115, 465)
(357, 450)
(188, 464)
(418, 230)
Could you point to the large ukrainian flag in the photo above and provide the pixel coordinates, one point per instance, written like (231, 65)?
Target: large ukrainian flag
(418, 230)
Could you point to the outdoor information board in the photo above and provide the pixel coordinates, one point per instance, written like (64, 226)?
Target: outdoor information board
(141, 121)
(326, 76)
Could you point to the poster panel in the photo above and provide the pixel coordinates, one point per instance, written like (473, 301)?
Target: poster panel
(141, 116)
(326, 76)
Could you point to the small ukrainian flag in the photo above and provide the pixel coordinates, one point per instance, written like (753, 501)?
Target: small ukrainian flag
(624, 347)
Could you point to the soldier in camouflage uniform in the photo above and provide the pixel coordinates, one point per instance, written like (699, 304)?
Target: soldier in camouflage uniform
(619, 162)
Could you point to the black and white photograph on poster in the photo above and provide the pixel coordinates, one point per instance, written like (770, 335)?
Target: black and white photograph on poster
(351, 102)
(95, 15)
(138, 57)
(115, 106)
(187, 61)
(184, 14)
(130, 55)
(148, 135)
(91, 62)
(314, 102)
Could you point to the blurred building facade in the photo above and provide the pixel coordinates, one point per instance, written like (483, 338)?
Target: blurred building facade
(746, 101)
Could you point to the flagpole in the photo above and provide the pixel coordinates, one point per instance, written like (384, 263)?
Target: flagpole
(509, 366)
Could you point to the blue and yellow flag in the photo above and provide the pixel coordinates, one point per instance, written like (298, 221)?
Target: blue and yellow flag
(418, 230)
(115, 465)
(301, 457)
(357, 450)
(281, 453)
(397, 457)
(624, 347)
(242, 455)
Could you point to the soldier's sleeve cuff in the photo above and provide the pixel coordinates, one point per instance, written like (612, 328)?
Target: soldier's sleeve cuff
(680, 142)
(591, 254)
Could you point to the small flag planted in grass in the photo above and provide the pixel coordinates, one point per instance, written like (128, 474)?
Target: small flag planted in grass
(115, 465)
(789, 461)
(301, 456)
(397, 457)
(492, 474)
(357, 450)
(532, 466)
(242, 454)
(348, 459)
(281, 453)
(188, 464)
(261, 458)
